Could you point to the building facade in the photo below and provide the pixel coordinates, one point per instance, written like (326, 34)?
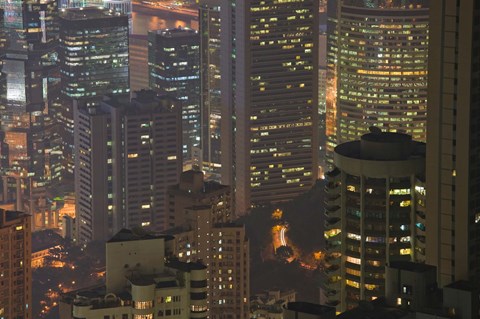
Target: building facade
(173, 67)
(224, 248)
(15, 265)
(453, 175)
(127, 154)
(270, 100)
(141, 285)
(193, 191)
(375, 214)
(377, 67)
(210, 84)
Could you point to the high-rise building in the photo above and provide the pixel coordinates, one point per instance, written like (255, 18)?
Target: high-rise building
(140, 283)
(270, 99)
(173, 66)
(15, 265)
(453, 174)
(375, 214)
(208, 237)
(377, 68)
(210, 77)
(194, 191)
(127, 154)
(30, 81)
(90, 71)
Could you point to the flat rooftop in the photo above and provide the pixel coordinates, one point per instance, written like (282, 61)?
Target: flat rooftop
(132, 235)
(87, 13)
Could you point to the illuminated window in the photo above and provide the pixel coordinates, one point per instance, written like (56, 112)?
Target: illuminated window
(352, 283)
(143, 304)
(353, 260)
(405, 251)
(405, 203)
(351, 188)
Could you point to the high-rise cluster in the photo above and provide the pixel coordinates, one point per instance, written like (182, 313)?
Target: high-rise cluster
(431, 215)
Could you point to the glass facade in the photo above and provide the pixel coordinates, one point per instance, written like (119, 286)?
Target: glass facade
(174, 69)
(377, 69)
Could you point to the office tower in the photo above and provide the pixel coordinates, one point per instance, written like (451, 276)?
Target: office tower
(210, 83)
(141, 283)
(193, 191)
(127, 154)
(138, 63)
(210, 238)
(270, 100)
(173, 67)
(30, 81)
(453, 216)
(375, 214)
(377, 68)
(15, 265)
(90, 71)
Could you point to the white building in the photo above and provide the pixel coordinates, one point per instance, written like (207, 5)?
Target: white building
(140, 284)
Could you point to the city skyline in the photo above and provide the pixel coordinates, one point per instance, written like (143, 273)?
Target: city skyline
(239, 159)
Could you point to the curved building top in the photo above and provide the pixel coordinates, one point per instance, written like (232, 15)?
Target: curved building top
(387, 4)
(381, 154)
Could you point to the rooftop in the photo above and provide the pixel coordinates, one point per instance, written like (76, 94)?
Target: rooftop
(463, 285)
(176, 32)
(132, 235)
(185, 267)
(8, 216)
(411, 266)
(310, 308)
(87, 13)
(376, 309)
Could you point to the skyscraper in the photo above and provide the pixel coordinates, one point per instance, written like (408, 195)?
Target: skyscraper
(375, 214)
(210, 77)
(15, 265)
(453, 173)
(377, 68)
(127, 154)
(90, 71)
(173, 67)
(270, 99)
(30, 79)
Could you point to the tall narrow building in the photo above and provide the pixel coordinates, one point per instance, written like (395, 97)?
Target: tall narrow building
(453, 149)
(270, 102)
(209, 237)
(377, 68)
(210, 85)
(375, 214)
(173, 67)
(15, 265)
(30, 81)
(127, 154)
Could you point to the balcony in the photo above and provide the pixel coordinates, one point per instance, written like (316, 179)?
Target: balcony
(332, 211)
(331, 222)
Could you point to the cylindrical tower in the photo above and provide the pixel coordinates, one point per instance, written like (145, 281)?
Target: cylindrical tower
(374, 214)
(378, 66)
